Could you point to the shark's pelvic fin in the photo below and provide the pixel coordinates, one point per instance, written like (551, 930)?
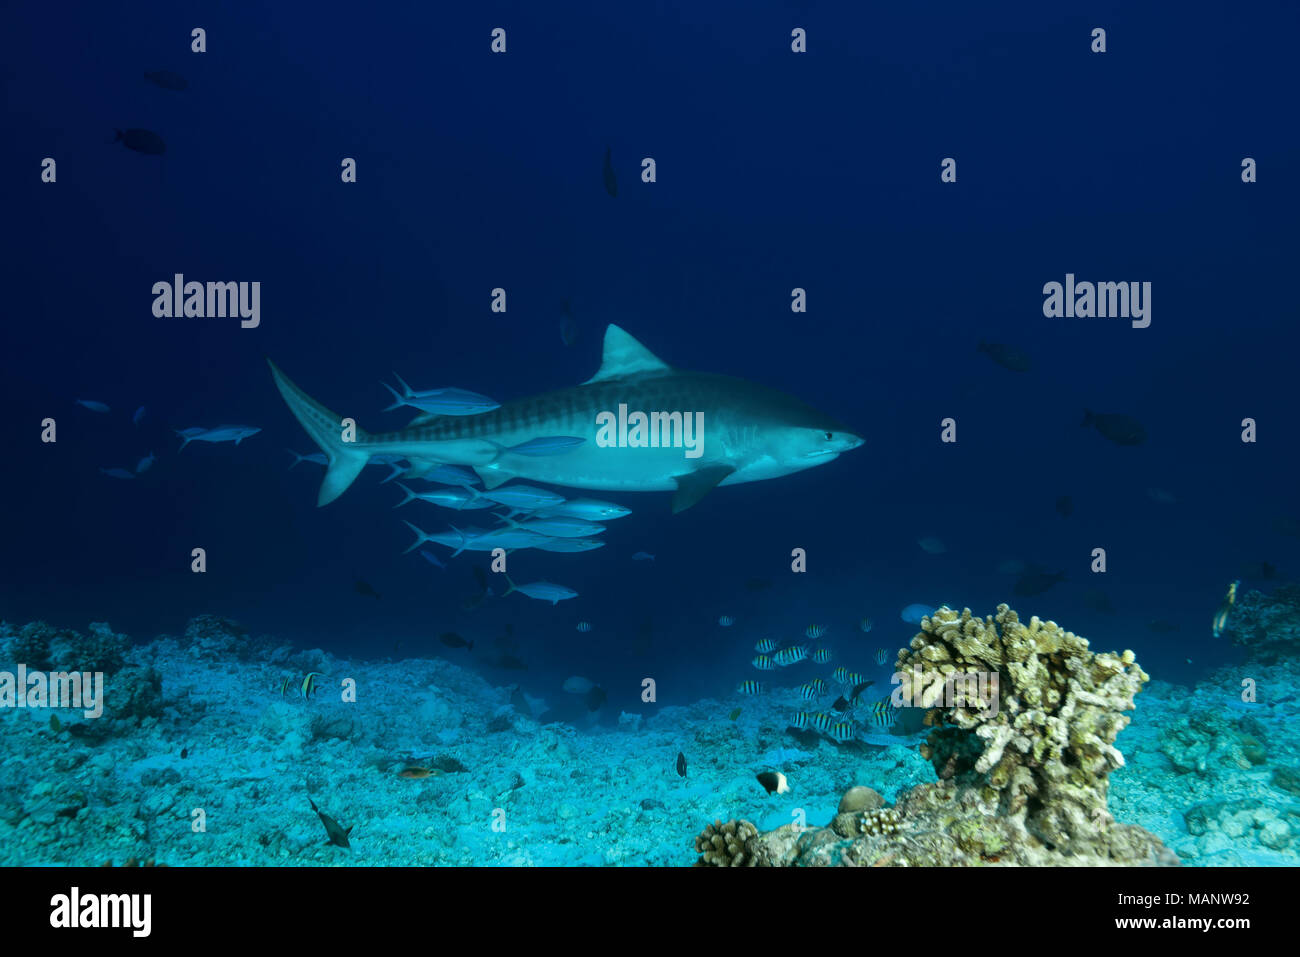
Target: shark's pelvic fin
(345, 460)
(624, 356)
(492, 477)
(693, 486)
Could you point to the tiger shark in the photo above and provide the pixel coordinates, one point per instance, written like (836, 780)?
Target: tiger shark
(637, 425)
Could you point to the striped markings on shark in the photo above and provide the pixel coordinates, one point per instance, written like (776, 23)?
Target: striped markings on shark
(751, 433)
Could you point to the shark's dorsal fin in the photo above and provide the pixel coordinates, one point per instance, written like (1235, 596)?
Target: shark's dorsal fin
(624, 356)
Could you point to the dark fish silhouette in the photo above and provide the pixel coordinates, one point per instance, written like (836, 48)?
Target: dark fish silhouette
(611, 181)
(142, 141)
(1120, 429)
(1065, 505)
(453, 640)
(484, 592)
(363, 588)
(1162, 626)
(644, 638)
(595, 698)
(1261, 570)
(681, 764)
(337, 836)
(506, 642)
(511, 663)
(1036, 581)
(1288, 526)
(1098, 600)
(166, 79)
(568, 325)
(1006, 356)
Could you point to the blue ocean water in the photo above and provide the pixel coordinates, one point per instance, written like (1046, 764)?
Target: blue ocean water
(775, 171)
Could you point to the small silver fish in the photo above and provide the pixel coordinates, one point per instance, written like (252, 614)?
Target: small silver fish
(543, 591)
(447, 401)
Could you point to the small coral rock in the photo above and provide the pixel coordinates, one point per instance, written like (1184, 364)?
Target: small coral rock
(725, 845)
(860, 799)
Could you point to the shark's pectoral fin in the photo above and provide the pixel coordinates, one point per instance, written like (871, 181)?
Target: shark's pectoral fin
(693, 486)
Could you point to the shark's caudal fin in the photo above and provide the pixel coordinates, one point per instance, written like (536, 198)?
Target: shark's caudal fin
(345, 460)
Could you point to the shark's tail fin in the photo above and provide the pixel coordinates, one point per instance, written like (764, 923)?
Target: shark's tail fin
(345, 460)
(510, 589)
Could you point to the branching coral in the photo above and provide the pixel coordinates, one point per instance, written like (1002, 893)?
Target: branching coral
(1046, 744)
(726, 845)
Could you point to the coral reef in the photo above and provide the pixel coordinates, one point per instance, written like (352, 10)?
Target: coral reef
(1023, 762)
(726, 845)
(1273, 827)
(885, 821)
(134, 694)
(1048, 739)
(1267, 626)
(941, 825)
(1287, 779)
(33, 644)
(1203, 743)
(214, 637)
(100, 650)
(41, 646)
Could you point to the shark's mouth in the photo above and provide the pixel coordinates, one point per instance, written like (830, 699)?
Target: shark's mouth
(820, 453)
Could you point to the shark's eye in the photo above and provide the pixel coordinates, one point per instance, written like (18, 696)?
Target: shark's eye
(829, 436)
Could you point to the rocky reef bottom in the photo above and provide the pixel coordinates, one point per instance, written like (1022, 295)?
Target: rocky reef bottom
(931, 825)
(208, 754)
